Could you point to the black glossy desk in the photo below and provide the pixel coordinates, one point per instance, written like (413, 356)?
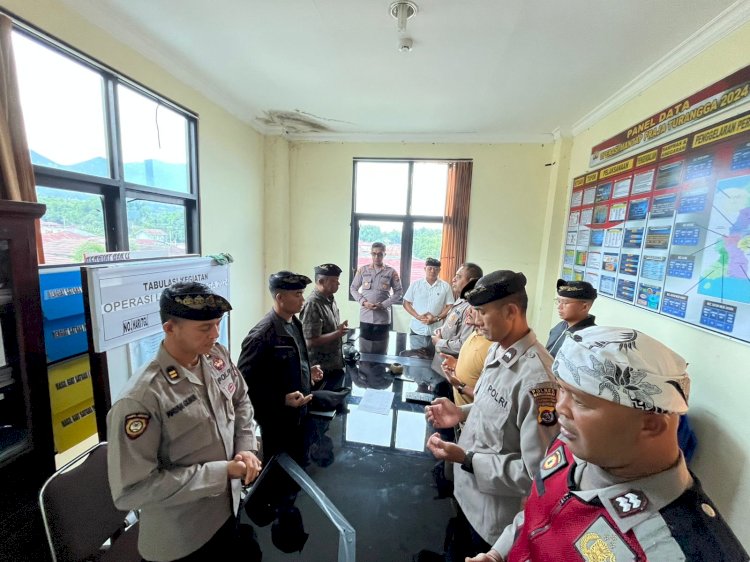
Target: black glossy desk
(373, 468)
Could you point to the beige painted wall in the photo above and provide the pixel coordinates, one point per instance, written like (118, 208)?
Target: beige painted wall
(508, 205)
(230, 154)
(718, 366)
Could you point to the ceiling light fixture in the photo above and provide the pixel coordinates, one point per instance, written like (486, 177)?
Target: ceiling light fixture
(402, 11)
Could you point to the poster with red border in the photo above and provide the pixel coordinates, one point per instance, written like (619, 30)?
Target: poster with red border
(728, 93)
(668, 229)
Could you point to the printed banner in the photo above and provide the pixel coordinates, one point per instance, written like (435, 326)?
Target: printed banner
(728, 93)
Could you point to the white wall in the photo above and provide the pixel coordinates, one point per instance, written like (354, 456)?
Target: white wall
(507, 216)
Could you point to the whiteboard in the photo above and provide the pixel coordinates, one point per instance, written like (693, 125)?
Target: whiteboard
(123, 298)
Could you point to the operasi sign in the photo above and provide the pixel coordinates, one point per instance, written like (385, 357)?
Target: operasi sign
(123, 298)
(730, 92)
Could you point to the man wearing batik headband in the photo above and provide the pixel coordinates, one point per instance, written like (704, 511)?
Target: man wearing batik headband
(614, 485)
(182, 436)
(574, 301)
(510, 422)
(276, 367)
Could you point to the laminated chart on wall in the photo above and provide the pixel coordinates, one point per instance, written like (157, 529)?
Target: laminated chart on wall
(668, 229)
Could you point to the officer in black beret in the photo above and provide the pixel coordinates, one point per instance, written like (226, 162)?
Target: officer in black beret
(574, 301)
(322, 326)
(173, 452)
(510, 422)
(276, 366)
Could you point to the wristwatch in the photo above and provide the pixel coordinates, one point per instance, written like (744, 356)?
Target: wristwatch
(467, 464)
(461, 387)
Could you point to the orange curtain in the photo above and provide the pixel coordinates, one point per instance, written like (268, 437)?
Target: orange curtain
(456, 219)
(16, 172)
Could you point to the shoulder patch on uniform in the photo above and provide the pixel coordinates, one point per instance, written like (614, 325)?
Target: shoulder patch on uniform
(136, 424)
(630, 503)
(172, 373)
(600, 543)
(553, 462)
(545, 398)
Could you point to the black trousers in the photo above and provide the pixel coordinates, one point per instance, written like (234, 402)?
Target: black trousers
(462, 540)
(225, 540)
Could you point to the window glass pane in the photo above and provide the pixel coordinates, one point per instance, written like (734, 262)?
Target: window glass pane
(381, 187)
(63, 109)
(72, 226)
(154, 142)
(428, 238)
(156, 226)
(389, 233)
(429, 184)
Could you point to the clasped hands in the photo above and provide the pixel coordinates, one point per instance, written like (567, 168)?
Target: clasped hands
(427, 318)
(444, 413)
(244, 465)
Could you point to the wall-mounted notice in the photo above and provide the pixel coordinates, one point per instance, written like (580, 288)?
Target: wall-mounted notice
(124, 297)
(728, 93)
(678, 243)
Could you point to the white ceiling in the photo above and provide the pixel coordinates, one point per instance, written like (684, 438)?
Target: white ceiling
(480, 70)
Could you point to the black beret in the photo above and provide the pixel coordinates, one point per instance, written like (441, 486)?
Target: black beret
(193, 301)
(495, 286)
(432, 262)
(469, 286)
(288, 281)
(329, 269)
(576, 289)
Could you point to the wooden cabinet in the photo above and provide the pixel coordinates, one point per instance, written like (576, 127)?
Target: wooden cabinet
(25, 414)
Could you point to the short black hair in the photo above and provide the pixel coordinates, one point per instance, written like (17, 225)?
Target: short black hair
(378, 245)
(520, 299)
(473, 270)
(169, 317)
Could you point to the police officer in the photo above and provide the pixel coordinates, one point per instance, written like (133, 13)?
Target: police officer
(510, 422)
(322, 326)
(574, 301)
(376, 287)
(275, 365)
(614, 485)
(456, 330)
(182, 436)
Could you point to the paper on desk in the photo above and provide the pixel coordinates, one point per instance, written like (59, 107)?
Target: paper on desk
(376, 401)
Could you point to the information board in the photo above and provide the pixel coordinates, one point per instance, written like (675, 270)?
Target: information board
(668, 230)
(124, 297)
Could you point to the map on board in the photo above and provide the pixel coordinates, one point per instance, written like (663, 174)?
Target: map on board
(727, 256)
(668, 230)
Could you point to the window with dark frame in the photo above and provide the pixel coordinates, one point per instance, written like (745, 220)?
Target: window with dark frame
(402, 204)
(115, 163)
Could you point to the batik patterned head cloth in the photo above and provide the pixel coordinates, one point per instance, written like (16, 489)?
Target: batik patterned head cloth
(624, 366)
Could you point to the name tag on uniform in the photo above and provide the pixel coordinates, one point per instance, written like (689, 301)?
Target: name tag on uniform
(497, 396)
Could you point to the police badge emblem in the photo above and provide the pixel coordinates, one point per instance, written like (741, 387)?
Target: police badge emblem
(136, 424)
